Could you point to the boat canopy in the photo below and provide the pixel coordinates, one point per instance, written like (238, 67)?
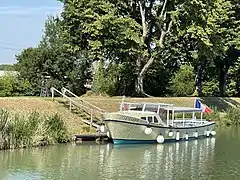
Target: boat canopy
(183, 109)
(144, 106)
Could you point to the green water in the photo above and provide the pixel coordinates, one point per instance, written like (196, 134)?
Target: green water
(213, 158)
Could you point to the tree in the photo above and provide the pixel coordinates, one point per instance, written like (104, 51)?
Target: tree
(30, 67)
(154, 34)
(52, 58)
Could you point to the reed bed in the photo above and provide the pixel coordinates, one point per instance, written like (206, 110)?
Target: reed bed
(21, 131)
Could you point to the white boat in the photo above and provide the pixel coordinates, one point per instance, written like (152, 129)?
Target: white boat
(156, 123)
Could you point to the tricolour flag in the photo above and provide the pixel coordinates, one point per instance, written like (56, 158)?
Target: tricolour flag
(202, 106)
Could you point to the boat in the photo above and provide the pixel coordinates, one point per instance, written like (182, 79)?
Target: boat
(156, 123)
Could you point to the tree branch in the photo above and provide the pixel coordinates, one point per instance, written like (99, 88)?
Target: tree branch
(163, 8)
(164, 33)
(146, 66)
(144, 24)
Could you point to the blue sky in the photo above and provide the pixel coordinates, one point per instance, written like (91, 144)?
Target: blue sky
(22, 24)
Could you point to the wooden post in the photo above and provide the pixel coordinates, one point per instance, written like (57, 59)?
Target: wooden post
(70, 105)
(52, 90)
(91, 120)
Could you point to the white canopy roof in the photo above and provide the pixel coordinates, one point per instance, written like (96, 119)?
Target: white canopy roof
(183, 109)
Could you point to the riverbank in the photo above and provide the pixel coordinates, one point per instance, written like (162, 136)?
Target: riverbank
(30, 118)
(44, 106)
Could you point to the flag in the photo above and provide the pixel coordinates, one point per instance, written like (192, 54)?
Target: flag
(202, 106)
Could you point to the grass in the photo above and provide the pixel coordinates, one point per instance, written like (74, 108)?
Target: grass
(45, 106)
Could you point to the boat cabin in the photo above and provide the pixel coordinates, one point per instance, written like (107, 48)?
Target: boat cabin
(166, 114)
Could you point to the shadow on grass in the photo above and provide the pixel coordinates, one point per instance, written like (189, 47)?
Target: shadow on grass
(221, 103)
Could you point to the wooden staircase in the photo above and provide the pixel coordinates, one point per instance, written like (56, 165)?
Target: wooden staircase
(89, 113)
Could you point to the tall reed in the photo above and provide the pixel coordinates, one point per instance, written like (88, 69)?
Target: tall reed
(19, 131)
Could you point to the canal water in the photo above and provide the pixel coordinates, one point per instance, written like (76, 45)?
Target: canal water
(212, 158)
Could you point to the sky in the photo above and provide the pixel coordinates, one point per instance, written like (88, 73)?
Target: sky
(22, 24)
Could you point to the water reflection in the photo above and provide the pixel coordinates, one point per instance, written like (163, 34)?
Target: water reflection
(168, 161)
(183, 160)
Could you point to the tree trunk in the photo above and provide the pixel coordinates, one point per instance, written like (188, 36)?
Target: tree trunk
(198, 81)
(238, 86)
(223, 76)
(147, 57)
(140, 77)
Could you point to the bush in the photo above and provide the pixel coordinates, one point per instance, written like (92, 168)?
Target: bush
(233, 116)
(230, 117)
(183, 83)
(18, 131)
(11, 85)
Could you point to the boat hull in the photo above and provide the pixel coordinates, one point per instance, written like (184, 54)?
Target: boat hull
(126, 132)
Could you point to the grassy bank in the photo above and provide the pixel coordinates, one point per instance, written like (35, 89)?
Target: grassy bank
(20, 131)
(44, 106)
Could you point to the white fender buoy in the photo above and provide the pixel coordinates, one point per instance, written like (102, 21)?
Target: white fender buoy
(213, 133)
(102, 128)
(208, 133)
(108, 134)
(148, 130)
(170, 134)
(196, 134)
(177, 136)
(186, 136)
(160, 139)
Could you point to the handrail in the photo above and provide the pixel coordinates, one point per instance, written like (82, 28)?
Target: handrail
(54, 89)
(93, 106)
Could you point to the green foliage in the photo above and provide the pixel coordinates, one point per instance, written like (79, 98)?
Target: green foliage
(105, 79)
(18, 131)
(126, 35)
(229, 117)
(51, 58)
(56, 129)
(7, 67)
(11, 85)
(210, 88)
(232, 116)
(98, 79)
(183, 83)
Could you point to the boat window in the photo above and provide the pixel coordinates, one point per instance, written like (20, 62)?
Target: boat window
(155, 120)
(150, 119)
(144, 118)
(151, 107)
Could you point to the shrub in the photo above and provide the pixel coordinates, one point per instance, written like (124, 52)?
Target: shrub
(11, 85)
(183, 83)
(19, 131)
